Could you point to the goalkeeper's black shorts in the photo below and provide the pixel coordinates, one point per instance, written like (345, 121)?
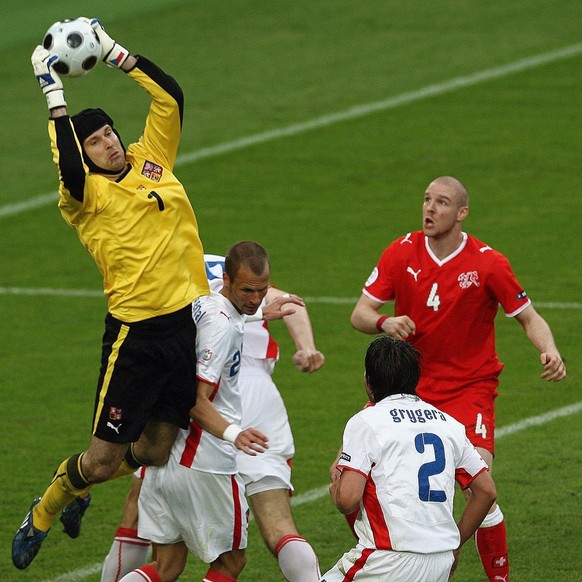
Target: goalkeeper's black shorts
(148, 371)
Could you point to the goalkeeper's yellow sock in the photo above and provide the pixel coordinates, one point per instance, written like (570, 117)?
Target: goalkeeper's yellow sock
(129, 465)
(68, 482)
(124, 469)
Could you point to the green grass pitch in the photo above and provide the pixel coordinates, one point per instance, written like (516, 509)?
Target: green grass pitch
(353, 108)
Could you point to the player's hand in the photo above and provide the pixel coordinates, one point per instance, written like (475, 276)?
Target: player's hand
(554, 367)
(50, 83)
(277, 309)
(112, 53)
(251, 441)
(399, 327)
(308, 360)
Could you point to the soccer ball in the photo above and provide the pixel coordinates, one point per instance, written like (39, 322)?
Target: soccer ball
(76, 44)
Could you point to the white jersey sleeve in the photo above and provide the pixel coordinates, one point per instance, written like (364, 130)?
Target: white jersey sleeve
(218, 346)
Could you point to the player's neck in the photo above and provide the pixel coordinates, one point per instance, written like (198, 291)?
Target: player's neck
(445, 245)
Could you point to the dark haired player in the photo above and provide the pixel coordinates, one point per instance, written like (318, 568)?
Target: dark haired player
(398, 465)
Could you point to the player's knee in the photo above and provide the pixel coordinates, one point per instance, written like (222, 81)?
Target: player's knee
(99, 472)
(155, 457)
(230, 563)
(154, 452)
(170, 572)
(240, 564)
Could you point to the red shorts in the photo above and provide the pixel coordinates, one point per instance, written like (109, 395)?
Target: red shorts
(473, 406)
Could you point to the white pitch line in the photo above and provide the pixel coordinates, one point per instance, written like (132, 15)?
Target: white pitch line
(92, 293)
(354, 112)
(46, 291)
(315, 494)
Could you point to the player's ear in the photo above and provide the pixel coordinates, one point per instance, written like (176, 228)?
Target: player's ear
(462, 213)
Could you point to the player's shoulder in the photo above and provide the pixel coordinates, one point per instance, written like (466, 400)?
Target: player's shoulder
(479, 248)
(216, 318)
(406, 243)
(207, 307)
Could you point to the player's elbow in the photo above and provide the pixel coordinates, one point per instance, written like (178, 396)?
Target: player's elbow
(347, 501)
(484, 488)
(356, 320)
(491, 492)
(346, 507)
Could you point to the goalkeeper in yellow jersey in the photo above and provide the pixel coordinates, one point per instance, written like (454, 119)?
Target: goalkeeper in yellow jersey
(134, 217)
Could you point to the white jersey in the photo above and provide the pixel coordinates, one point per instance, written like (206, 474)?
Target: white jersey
(262, 405)
(411, 454)
(218, 346)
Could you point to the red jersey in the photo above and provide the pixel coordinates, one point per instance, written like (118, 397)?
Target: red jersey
(453, 303)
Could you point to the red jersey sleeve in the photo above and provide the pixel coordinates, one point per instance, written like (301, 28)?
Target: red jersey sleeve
(504, 286)
(380, 284)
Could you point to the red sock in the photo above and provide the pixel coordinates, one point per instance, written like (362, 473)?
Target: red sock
(214, 576)
(147, 573)
(491, 544)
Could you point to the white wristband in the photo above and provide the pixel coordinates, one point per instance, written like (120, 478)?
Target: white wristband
(55, 99)
(232, 431)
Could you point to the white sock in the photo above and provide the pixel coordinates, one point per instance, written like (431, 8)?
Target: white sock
(297, 560)
(128, 552)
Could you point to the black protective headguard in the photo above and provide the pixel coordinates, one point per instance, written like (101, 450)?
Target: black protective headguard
(87, 122)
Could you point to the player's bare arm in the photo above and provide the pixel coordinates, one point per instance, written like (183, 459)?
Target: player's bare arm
(483, 495)
(250, 441)
(307, 357)
(347, 491)
(367, 319)
(540, 335)
(481, 499)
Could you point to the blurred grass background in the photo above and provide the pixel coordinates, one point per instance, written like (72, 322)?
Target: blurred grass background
(324, 202)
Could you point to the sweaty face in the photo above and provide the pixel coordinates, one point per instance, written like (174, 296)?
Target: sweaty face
(246, 290)
(441, 211)
(105, 149)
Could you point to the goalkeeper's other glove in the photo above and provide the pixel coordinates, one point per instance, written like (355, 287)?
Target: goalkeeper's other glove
(49, 81)
(112, 53)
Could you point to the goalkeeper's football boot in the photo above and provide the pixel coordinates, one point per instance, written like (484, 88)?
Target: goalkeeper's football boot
(27, 541)
(73, 514)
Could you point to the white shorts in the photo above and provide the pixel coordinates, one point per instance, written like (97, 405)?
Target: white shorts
(264, 472)
(387, 566)
(207, 511)
(264, 409)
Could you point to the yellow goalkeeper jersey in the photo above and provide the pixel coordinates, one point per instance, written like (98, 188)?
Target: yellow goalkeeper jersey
(141, 229)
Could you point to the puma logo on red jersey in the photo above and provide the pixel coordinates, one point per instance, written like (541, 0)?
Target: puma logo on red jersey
(413, 272)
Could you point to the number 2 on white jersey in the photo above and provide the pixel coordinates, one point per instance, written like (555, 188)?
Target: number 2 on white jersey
(432, 468)
(433, 298)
